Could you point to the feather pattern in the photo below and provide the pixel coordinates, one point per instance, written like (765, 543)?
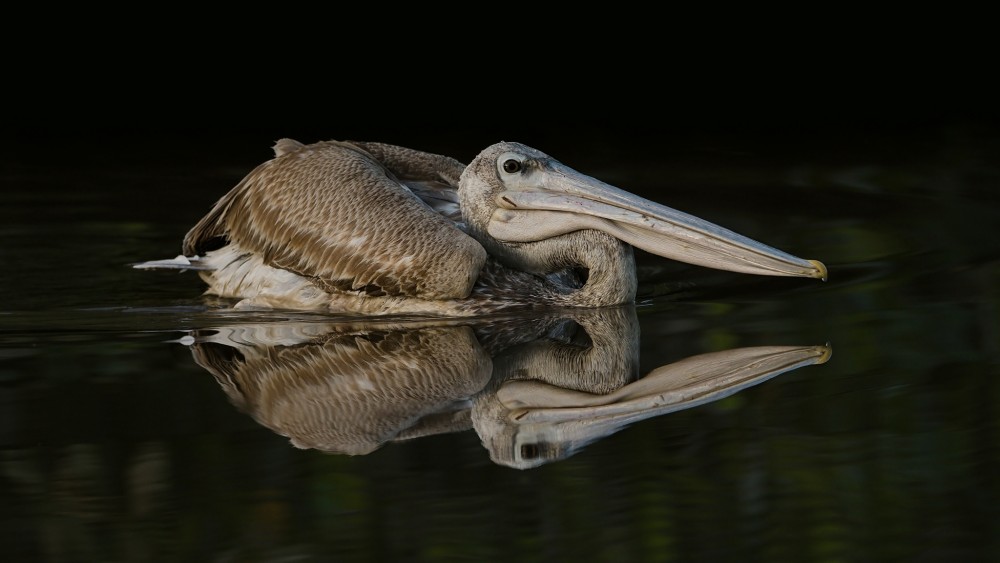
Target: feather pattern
(308, 211)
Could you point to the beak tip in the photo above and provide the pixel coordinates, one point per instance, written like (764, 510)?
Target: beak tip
(820, 272)
(825, 353)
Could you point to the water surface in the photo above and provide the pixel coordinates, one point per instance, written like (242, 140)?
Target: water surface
(118, 445)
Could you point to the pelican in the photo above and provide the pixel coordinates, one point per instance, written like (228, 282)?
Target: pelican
(373, 228)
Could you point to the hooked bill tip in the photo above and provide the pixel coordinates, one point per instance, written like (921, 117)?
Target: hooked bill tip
(821, 272)
(825, 352)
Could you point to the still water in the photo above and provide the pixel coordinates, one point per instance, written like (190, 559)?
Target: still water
(723, 417)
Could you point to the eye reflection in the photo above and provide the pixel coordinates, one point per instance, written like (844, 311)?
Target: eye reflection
(529, 451)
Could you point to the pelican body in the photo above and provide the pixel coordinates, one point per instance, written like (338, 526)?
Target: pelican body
(375, 228)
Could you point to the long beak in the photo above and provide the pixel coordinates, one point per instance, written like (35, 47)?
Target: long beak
(561, 421)
(566, 200)
(681, 385)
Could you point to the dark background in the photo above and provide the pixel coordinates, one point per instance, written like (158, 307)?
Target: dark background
(787, 94)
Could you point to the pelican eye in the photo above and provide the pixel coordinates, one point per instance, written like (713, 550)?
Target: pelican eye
(511, 166)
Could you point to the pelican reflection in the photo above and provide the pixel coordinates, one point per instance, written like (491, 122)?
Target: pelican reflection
(535, 390)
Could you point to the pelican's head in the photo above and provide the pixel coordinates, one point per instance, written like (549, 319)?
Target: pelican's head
(512, 194)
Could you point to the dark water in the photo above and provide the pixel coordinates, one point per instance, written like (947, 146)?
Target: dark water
(122, 441)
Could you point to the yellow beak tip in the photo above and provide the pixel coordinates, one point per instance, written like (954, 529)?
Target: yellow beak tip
(825, 353)
(821, 272)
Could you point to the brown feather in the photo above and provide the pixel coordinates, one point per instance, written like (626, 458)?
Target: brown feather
(319, 211)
